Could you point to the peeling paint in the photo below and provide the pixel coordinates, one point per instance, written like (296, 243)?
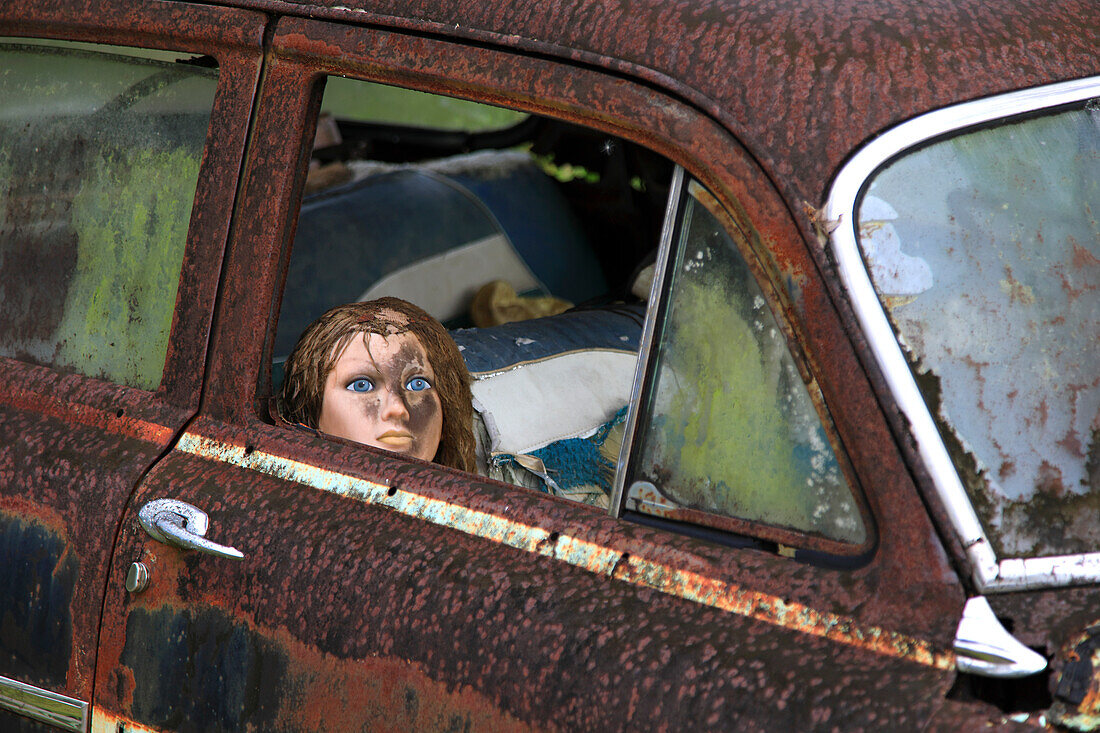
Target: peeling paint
(1001, 276)
(36, 624)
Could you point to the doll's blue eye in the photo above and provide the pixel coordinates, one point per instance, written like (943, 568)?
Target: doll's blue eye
(361, 385)
(418, 384)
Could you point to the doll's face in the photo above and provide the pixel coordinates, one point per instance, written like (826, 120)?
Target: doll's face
(381, 391)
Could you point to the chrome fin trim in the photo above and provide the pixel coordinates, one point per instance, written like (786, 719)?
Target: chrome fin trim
(45, 706)
(983, 647)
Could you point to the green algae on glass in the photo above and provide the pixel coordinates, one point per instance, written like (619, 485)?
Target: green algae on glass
(732, 430)
(131, 219)
(104, 145)
(730, 448)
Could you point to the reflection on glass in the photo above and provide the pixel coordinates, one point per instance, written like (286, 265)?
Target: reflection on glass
(985, 251)
(729, 428)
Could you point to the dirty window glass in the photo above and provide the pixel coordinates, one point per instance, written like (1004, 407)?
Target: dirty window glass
(985, 252)
(99, 158)
(729, 429)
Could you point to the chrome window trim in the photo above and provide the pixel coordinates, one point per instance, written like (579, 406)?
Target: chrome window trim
(989, 573)
(48, 707)
(668, 228)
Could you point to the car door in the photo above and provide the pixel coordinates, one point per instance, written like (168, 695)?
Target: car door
(347, 588)
(122, 134)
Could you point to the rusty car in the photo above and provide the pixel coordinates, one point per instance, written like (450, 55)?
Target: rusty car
(810, 444)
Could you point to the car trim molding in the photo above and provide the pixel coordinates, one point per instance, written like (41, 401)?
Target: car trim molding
(627, 567)
(48, 707)
(989, 573)
(664, 248)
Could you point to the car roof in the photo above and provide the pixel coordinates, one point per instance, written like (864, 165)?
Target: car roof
(801, 83)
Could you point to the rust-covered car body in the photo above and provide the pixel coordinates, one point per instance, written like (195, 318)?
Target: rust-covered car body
(379, 593)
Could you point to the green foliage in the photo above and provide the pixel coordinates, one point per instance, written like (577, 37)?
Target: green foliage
(358, 100)
(566, 172)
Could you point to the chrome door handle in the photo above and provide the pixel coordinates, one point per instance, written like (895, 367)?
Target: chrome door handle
(182, 525)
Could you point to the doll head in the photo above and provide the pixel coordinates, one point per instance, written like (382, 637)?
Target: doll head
(383, 373)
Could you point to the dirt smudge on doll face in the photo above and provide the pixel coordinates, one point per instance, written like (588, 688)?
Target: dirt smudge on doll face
(381, 392)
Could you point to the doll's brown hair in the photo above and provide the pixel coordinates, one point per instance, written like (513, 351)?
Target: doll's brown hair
(315, 354)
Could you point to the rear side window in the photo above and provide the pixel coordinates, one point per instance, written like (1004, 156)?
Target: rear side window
(984, 250)
(99, 158)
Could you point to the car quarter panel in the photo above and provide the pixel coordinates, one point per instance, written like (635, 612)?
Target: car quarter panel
(73, 448)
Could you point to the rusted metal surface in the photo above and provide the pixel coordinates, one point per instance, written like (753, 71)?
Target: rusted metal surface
(775, 75)
(72, 449)
(562, 547)
(907, 589)
(472, 604)
(957, 717)
(909, 563)
(72, 452)
(908, 592)
(1077, 696)
(778, 74)
(483, 627)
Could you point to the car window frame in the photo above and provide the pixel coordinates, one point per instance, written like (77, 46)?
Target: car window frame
(792, 540)
(238, 392)
(988, 572)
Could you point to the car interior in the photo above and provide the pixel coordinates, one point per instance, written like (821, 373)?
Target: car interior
(525, 236)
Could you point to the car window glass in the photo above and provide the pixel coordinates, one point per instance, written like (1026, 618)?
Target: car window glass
(99, 156)
(728, 429)
(985, 252)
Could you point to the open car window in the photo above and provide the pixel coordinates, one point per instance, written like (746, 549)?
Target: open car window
(100, 150)
(536, 244)
(386, 105)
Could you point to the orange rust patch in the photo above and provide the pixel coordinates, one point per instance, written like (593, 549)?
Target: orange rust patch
(86, 415)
